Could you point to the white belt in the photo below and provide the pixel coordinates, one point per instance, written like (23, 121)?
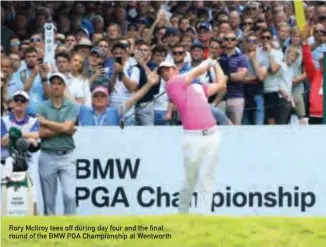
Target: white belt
(203, 132)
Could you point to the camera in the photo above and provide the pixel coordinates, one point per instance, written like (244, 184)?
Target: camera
(118, 60)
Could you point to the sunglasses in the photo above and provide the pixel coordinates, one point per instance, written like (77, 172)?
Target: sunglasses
(247, 23)
(36, 40)
(252, 41)
(320, 31)
(230, 39)
(100, 95)
(252, 8)
(20, 99)
(266, 37)
(175, 53)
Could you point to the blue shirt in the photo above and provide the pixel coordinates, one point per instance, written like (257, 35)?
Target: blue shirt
(88, 117)
(235, 61)
(14, 84)
(317, 53)
(28, 124)
(36, 93)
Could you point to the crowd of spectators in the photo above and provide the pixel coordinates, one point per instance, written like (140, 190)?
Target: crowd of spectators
(274, 68)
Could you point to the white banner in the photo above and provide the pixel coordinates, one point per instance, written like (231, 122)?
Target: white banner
(266, 171)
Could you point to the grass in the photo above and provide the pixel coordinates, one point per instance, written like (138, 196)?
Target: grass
(186, 231)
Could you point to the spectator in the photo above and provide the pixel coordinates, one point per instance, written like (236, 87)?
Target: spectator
(235, 23)
(13, 83)
(15, 59)
(285, 82)
(113, 33)
(125, 79)
(238, 70)
(253, 88)
(84, 47)
(273, 58)
(14, 44)
(96, 72)
(29, 126)
(78, 85)
(70, 41)
(315, 77)
(144, 111)
(101, 114)
(30, 77)
(179, 55)
(318, 44)
(283, 34)
(159, 55)
(299, 76)
(4, 107)
(57, 118)
(205, 33)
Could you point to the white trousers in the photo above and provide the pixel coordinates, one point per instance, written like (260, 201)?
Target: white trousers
(200, 159)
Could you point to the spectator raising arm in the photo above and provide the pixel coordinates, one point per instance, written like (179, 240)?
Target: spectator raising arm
(44, 71)
(152, 79)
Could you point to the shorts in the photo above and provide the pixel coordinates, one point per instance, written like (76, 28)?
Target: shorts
(271, 101)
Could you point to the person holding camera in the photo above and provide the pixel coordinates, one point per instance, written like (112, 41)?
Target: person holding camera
(29, 127)
(33, 80)
(57, 117)
(124, 80)
(145, 106)
(96, 72)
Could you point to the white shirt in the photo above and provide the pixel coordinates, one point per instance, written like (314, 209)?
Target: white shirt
(79, 88)
(120, 93)
(271, 80)
(285, 77)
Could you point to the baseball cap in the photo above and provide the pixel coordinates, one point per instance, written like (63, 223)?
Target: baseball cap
(98, 51)
(101, 89)
(22, 93)
(58, 75)
(197, 44)
(204, 25)
(132, 25)
(170, 31)
(165, 64)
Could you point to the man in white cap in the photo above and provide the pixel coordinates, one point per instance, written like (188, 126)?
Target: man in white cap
(57, 118)
(201, 138)
(30, 129)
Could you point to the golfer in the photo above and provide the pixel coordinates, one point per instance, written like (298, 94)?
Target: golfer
(201, 137)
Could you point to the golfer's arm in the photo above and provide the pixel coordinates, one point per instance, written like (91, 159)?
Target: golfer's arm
(136, 97)
(197, 71)
(47, 133)
(220, 84)
(64, 128)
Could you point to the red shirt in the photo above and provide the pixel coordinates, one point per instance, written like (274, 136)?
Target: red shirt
(315, 77)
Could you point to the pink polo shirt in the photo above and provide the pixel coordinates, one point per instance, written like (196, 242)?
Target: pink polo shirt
(191, 102)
